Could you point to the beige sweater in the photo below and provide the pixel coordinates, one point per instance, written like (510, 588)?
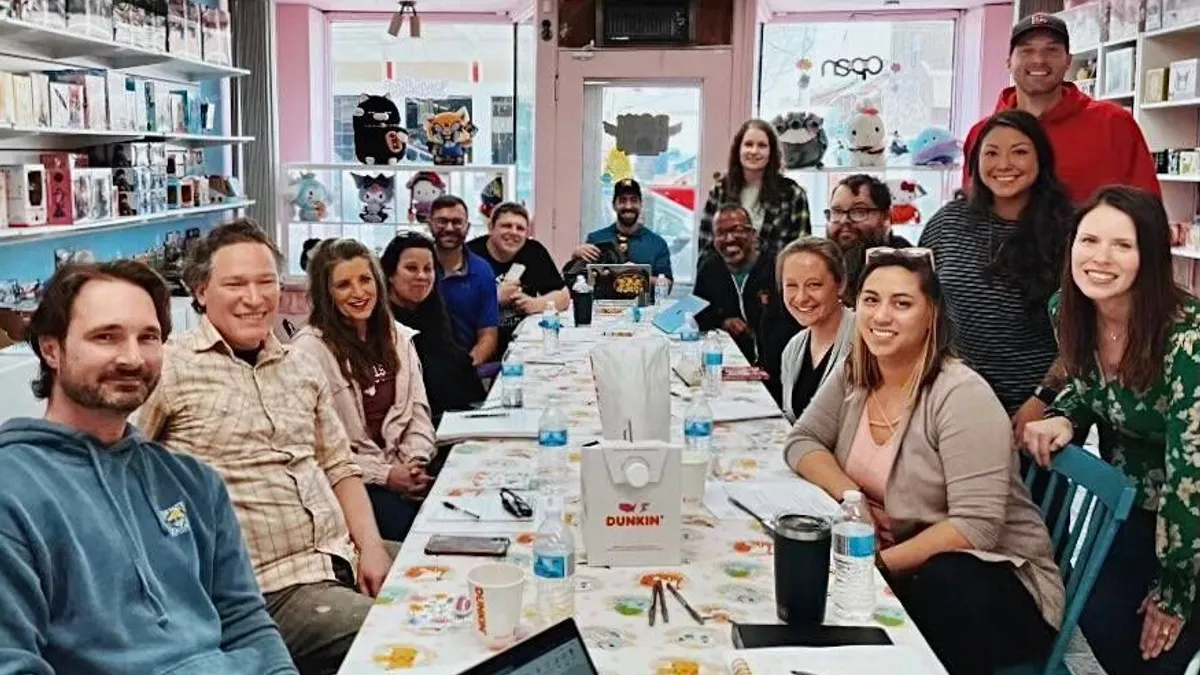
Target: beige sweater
(407, 429)
(955, 462)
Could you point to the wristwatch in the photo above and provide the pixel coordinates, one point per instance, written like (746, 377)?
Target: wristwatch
(1045, 395)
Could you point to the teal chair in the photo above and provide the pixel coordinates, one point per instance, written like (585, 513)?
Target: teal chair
(1082, 546)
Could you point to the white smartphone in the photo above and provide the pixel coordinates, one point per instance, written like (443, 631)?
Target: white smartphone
(514, 273)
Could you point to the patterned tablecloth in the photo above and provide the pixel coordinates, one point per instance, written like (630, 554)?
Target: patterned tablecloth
(420, 622)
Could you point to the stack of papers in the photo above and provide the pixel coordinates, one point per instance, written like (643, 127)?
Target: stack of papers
(486, 424)
(858, 660)
(769, 499)
(741, 411)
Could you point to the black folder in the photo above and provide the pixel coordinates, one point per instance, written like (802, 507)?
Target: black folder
(756, 636)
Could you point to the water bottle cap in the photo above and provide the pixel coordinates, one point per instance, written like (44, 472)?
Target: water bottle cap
(581, 285)
(851, 496)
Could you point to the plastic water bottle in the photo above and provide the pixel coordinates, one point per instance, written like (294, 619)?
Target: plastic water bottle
(854, 560)
(554, 564)
(550, 327)
(698, 425)
(553, 451)
(512, 379)
(662, 288)
(714, 360)
(689, 338)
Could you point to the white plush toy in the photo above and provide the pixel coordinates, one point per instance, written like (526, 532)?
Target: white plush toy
(866, 136)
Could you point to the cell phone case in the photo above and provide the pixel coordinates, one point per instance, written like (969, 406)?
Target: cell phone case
(487, 547)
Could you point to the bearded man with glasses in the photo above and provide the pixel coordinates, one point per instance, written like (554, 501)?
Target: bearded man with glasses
(857, 220)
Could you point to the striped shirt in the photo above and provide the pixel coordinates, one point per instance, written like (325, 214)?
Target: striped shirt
(996, 331)
(273, 434)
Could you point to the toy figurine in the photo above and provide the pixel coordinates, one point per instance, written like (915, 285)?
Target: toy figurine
(866, 137)
(492, 195)
(802, 136)
(379, 138)
(932, 147)
(904, 194)
(423, 188)
(309, 197)
(449, 135)
(374, 192)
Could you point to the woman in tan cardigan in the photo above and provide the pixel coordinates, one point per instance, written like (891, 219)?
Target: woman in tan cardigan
(927, 442)
(375, 377)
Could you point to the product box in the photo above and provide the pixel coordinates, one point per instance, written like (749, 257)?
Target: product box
(41, 99)
(177, 27)
(1184, 82)
(178, 109)
(119, 116)
(1154, 15)
(93, 18)
(25, 188)
(1180, 12)
(23, 101)
(632, 501)
(1124, 18)
(192, 30)
(1189, 163)
(3, 202)
(62, 168)
(123, 26)
(8, 103)
(1155, 86)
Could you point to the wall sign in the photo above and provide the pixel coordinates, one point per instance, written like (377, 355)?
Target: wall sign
(871, 65)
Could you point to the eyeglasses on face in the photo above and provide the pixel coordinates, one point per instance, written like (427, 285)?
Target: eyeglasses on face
(734, 233)
(912, 253)
(856, 215)
(448, 222)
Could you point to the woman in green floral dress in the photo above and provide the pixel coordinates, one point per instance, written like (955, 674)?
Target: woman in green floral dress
(1130, 340)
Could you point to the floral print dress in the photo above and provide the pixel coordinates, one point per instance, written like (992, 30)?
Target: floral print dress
(1154, 437)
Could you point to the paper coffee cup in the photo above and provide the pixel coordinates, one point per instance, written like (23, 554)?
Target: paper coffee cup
(695, 469)
(496, 590)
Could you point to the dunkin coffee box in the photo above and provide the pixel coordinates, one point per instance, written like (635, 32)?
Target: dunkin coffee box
(631, 503)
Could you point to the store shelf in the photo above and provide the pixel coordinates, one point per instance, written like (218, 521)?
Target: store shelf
(1173, 178)
(59, 45)
(351, 166)
(1123, 96)
(1181, 103)
(14, 234)
(1173, 31)
(1184, 252)
(1086, 51)
(1119, 42)
(40, 138)
(200, 140)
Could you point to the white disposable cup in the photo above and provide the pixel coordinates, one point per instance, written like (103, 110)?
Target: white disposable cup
(496, 590)
(695, 470)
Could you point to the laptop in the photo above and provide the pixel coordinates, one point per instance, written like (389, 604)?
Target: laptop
(558, 650)
(627, 281)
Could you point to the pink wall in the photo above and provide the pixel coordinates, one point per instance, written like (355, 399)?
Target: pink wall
(302, 74)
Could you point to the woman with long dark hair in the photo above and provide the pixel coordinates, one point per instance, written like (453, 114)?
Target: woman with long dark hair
(778, 207)
(1130, 344)
(450, 379)
(375, 377)
(998, 255)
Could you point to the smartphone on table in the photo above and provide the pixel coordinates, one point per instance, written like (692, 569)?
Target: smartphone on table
(489, 547)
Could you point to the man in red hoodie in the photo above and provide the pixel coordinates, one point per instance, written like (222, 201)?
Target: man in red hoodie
(1096, 143)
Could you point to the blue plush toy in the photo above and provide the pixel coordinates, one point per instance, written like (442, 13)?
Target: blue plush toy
(934, 146)
(309, 197)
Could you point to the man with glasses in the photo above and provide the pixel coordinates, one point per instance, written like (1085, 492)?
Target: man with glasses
(858, 220)
(466, 281)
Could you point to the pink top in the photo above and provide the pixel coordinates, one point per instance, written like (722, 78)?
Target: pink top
(869, 464)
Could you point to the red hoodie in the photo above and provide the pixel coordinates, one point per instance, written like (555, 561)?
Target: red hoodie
(1096, 143)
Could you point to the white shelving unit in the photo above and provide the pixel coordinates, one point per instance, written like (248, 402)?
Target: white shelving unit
(18, 234)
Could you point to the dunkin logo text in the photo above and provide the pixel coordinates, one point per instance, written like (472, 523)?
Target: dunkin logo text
(633, 515)
(480, 611)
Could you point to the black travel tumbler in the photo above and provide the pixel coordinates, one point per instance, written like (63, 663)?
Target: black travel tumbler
(802, 545)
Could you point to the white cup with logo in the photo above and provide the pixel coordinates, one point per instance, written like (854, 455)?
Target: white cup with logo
(695, 467)
(496, 590)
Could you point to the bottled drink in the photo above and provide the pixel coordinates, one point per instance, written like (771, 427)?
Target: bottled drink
(714, 360)
(662, 288)
(553, 452)
(550, 326)
(689, 338)
(554, 564)
(698, 425)
(854, 560)
(512, 379)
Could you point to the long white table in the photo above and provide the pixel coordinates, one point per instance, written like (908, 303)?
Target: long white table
(727, 574)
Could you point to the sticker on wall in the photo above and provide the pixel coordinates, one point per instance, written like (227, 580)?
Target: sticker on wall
(642, 134)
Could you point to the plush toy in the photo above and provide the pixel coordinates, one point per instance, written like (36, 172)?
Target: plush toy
(449, 135)
(932, 147)
(309, 197)
(379, 138)
(904, 193)
(802, 136)
(375, 192)
(423, 188)
(865, 137)
(492, 195)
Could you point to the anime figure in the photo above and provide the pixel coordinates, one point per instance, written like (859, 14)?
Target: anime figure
(379, 138)
(374, 192)
(449, 135)
(309, 197)
(866, 136)
(802, 136)
(423, 187)
(492, 195)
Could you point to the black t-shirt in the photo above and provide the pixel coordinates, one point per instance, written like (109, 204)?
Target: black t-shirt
(809, 379)
(541, 276)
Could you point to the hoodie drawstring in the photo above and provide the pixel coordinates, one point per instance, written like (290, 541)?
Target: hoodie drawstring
(140, 562)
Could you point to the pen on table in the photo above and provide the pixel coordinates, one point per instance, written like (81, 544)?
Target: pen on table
(455, 507)
(746, 509)
(679, 596)
(474, 415)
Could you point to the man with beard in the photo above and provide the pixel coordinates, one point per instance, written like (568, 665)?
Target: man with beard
(626, 240)
(858, 220)
(117, 555)
(465, 280)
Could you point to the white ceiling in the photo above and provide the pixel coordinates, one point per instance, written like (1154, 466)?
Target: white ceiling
(457, 6)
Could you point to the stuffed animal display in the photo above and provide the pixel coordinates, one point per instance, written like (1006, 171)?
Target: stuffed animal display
(866, 136)
(491, 196)
(904, 194)
(310, 198)
(423, 188)
(375, 193)
(379, 138)
(934, 146)
(802, 137)
(449, 135)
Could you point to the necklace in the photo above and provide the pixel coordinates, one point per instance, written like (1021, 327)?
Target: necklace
(890, 424)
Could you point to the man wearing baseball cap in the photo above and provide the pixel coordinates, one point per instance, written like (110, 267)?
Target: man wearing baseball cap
(626, 240)
(1096, 143)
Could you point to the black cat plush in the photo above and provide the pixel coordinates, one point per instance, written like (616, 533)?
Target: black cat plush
(379, 137)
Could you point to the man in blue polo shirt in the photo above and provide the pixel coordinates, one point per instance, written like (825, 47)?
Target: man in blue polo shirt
(466, 281)
(627, 240)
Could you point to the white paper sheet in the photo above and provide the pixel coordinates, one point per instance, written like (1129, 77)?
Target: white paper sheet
(856, 660)
(769, 499)
(489, 424)
(487, 506)
(741, 411)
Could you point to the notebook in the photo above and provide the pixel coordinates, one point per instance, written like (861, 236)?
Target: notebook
(670, 320)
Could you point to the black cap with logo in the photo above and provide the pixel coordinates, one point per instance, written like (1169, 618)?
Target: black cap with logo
(627, 186)
(1040, 21)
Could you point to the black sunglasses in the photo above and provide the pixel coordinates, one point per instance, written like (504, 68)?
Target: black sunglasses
(517, 507)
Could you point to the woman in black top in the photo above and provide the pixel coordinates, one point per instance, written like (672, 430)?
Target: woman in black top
(450, 379)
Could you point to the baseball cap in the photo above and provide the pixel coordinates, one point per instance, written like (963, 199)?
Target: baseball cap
(627, 186)
(1040, 21)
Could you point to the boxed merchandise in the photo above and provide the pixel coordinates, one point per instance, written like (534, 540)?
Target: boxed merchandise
(61, 171)
(1118, 71)
(91, 84)
(203, 197)
(3, 203)
(103, 194)
(1184, 83)
(8, 104)
(1085, 25)
(1189, 163)
(120, 116)
(178, 121)
(192, 30)
(90, 17)
(1154, 15)
(25, 189)
(1180, 12)
(60, 104)
(41, 99)
(158, 107)
(123, 22)
(51, 13)
(23, 101)
(177, 26)
(632, 500)
(1155, 84)
(82, 192)
(1124, 18)
(156, 30)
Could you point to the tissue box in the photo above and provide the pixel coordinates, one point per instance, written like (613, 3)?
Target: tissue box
(631, 504)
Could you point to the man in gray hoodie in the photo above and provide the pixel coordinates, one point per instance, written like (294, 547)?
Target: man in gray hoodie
(116, 555)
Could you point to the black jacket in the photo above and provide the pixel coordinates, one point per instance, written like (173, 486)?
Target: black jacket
(714, 283)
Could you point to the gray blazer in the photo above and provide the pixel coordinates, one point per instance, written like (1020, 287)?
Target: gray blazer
(794, 352)
(955, 462)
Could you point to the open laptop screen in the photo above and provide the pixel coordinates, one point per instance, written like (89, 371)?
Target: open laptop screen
(558, 650)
